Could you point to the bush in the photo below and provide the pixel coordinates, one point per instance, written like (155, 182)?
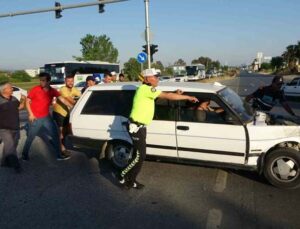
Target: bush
(20, 76)
(3, 77)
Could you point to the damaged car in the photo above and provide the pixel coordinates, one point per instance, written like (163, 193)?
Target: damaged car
(221, 130)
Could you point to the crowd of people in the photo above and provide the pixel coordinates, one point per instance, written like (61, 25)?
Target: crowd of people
(38, 101)
(56, 126)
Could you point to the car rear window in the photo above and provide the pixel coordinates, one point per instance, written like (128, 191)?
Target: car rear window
(109, 103)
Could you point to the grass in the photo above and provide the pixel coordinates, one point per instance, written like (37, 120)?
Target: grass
(216, 79)
(27, 85)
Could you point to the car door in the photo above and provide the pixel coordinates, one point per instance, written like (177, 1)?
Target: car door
(161, 138)
(203, 135)
(292, 88)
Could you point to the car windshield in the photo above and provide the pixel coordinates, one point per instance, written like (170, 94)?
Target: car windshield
(242, 108)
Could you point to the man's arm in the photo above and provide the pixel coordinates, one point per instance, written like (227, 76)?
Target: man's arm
(176, 96)
(65, 102)
(22, 102)
(287, 107)
(31, 116)
(249, 97)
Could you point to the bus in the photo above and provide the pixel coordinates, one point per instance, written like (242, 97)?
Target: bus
(195, 72)
(79, 69)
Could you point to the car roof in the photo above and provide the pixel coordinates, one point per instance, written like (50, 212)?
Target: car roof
(296, 78)
(163, 86)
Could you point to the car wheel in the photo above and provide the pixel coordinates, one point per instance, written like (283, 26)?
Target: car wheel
(282, 168)
(119, 153)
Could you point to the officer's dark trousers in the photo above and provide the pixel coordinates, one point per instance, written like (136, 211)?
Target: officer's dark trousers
(139, 146)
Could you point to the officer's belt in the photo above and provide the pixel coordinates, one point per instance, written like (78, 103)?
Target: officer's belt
(137, 123)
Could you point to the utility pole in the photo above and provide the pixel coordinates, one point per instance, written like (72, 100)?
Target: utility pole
(147, 32)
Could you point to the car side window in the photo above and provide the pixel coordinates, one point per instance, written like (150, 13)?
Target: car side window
(164, 110)
(293, 83)
(109, 103)
(208, 110)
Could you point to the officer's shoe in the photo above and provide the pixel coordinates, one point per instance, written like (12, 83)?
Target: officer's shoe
(138, 185)
(120, 178)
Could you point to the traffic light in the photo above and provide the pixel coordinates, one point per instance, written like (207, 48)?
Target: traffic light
(58, 12)
(145, 50)
(153, 49)
(101, 8)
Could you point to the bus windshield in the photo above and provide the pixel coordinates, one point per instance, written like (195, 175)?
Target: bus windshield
(56, 72)
(191, 70)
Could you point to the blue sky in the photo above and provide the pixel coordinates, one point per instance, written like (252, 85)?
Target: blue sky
(231, 31)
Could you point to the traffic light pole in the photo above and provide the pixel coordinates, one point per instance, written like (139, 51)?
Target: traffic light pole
(147, 32)
(71, 6)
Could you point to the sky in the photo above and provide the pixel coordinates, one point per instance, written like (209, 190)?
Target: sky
(231, 31)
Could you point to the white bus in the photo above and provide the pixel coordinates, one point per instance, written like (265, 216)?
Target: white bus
(195, 72)
(79, 69)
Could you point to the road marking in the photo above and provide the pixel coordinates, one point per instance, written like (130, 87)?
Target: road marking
(214, 219)
(221, 181)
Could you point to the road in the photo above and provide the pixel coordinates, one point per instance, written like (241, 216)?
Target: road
(82, 193)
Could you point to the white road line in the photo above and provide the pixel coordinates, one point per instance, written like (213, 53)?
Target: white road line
(214, 219)
(221, 181)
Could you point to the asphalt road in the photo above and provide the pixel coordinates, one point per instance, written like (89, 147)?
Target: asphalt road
(82, 193)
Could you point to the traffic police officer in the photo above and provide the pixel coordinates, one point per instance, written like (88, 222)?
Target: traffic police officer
(141, 115)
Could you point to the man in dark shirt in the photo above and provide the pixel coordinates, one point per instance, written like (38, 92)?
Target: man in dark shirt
(10, 125)
(265, 98)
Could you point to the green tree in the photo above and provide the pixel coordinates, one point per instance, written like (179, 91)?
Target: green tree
(168, 71)
(180, 62)
(206, 61)
(290, 56)
(98, 48)
(266, 66)
(215, 64)
(277, 62)
(158, 65)
(20, 76)
(132, 69)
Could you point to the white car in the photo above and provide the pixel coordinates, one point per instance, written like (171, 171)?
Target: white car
(165, 78)
(292, 88)
(17, 92)
(80, 85)
(233, 138)
(180, 78)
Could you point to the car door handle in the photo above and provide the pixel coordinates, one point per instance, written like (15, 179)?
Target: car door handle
(183, 128)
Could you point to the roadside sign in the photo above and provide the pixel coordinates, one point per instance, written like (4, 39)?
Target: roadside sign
(142, 57)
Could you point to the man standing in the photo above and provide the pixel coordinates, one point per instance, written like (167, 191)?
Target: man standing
(10, 125)
(265, 98)
(107, 78)
(113, 77)
(121, 77)
(38, 102)
(61, 113)
(89, 81)
(141, 115)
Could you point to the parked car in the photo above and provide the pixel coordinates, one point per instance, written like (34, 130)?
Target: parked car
(17, 92)
(292, 88)
(80, 85)
(234, 138)
(164, 78)
(180, 78)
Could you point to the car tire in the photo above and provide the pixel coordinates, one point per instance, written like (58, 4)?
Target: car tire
(119, 153)
(282, 168)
